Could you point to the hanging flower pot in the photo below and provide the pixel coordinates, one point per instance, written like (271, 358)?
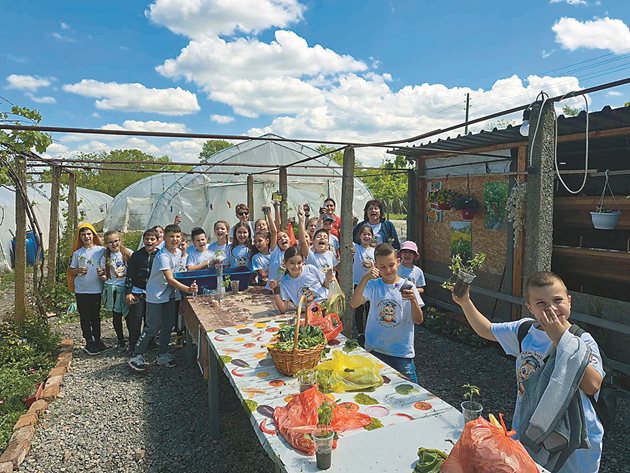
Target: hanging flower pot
(442, 198)
(605, 219)
(468, 206)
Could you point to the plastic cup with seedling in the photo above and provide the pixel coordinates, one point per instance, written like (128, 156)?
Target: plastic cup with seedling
(463, 273)
(323, 436)
(471, 409)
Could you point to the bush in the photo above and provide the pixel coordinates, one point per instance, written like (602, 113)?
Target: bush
(27, 353)
(132, 239)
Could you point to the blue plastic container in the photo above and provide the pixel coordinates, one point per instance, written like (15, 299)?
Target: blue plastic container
(207, 278)
(31, 249)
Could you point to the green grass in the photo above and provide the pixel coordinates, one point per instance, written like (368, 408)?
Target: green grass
(7, 280)
(397, 216)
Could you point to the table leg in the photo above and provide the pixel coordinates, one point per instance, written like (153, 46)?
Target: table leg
(213, 394)
(190, 352)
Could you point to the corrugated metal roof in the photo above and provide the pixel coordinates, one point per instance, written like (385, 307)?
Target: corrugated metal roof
(605, 119)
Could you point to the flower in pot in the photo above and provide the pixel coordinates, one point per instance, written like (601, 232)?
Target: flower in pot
(442, 198)
(468, 205)
(323, 436)
(605, 219)
(471, 409)
(463, 273)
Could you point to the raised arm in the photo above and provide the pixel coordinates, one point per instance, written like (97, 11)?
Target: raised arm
(272, 228)
(479, 323)
(302, 226)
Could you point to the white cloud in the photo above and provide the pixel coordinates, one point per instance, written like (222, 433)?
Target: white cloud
(150, 125)
(222, 119)
(64, 26)
(614, 93)
(256, 77)
(209, 18)
(545, 54)
(44, 99)
(570, 2)
(63, 38)
(24, 82)
(136, 97)
(601, 33)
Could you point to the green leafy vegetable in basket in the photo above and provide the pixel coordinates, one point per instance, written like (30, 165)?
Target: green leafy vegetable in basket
(309, 337)
(429, 460)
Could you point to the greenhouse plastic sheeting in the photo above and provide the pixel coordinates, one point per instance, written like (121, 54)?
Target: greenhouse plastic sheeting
(202, 199)
(93, 206)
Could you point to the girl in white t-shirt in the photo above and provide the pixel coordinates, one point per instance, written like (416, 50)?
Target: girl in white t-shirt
(261, 256)
(362, 263)
(318, 253)
(112, 269)
(239, 251)
(219, 247)
(300, 280)
(279, 242)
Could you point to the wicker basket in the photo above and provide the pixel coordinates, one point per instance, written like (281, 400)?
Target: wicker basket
(290, 362)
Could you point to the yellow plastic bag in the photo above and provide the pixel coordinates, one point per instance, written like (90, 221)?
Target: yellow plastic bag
(348, 373)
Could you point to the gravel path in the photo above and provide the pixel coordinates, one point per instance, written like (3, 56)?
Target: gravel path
(113, 420)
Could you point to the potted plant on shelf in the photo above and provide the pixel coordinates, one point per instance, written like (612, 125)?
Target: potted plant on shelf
(468, 205)
(463, 273)
(471, 409)
(323, 436)
(442, 198)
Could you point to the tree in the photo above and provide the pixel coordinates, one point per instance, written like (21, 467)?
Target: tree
(569, 111)
(627, 104)
(389, 184)
(111, 178)
(211, 147)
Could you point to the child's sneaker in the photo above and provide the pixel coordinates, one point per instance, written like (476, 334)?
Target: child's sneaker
(179, 340)
(91, 349)
(100, 346)
(167, 360)
(138, 363)
(121, 343)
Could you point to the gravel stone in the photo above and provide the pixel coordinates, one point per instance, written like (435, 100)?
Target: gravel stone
(113, 420)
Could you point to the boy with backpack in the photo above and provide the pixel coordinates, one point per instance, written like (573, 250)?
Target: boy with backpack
(577, 368)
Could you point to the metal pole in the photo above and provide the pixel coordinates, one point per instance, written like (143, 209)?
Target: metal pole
(346, 244)
(73, 212)
(467, 111)
(284, 205)
(250, 195)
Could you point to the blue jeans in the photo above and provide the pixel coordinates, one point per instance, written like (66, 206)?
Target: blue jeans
(404, 366)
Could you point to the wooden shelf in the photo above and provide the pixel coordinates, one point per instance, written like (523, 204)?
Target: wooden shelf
(589, 264)
(575, 211)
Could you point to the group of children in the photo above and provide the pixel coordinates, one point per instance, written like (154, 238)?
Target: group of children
(140, 286)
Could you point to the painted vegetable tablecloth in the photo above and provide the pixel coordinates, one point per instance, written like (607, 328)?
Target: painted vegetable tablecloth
(244, 358)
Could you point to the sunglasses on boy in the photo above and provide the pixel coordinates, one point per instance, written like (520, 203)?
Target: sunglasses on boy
(242, 214)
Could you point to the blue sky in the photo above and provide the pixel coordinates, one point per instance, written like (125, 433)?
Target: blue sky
(331, 69)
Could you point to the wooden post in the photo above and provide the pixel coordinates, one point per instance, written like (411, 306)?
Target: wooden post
(284, 188)
(53, 229)
(345, 266)
(540, 179)
(20, 242)
(412, 208)
(250, 196)
(421, 205)
(519, 247)
(73, 212)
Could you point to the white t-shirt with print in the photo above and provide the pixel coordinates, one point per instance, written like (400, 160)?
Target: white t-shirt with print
(310, 282)
(376, 228)
(333, 241)
(414, 274)
(88, 283)
(390, 328)
(363, 261)
(218, 250)
(536, 347)
(117, 269)
(261, 261)
(158, 289)
(324, 261)
(195, 257)
(238, 257)
(276, 265)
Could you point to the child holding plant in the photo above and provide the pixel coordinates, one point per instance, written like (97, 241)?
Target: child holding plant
(319, 254)
(362, 264)
(408, 254)
(395, 306)
(279, 243)
(87, 286)
(549, 301)
(261, 256)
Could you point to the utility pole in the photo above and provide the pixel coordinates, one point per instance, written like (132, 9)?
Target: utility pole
(467, 113)
(345, 243)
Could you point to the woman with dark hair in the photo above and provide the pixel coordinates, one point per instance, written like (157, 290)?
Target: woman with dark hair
(329, 210)
(374, 216)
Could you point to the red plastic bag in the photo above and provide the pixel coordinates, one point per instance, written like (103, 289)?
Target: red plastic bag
(486, 448)
(298, 419)
(330, 323)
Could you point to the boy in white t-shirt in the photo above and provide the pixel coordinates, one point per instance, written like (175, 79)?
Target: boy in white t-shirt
(161, 293)
(395, 306)
(548, 300)
(199, 257)
(408, 254)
